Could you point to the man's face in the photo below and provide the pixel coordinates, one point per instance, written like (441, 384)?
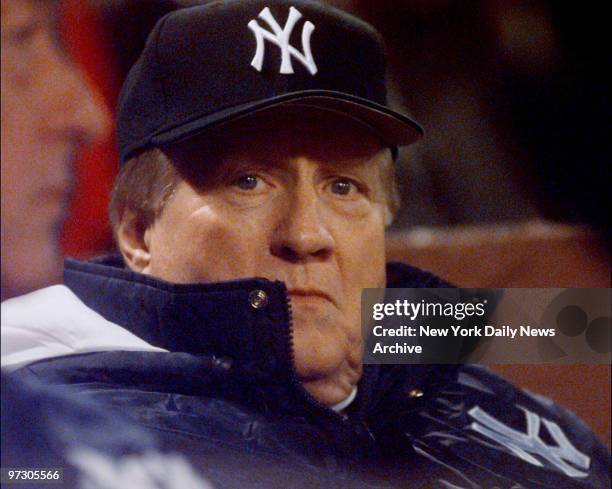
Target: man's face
(48, 111)
(294, 196)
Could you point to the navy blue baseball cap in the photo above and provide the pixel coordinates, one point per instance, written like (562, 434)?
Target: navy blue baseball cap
(211, 63)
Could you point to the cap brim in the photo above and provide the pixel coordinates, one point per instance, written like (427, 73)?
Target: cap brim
(392, 127)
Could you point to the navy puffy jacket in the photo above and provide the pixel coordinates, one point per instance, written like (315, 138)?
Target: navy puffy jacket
(226, 395)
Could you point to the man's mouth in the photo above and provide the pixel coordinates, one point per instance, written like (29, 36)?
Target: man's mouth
(309, 295)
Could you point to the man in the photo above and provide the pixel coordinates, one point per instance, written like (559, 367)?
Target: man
(49, 112)
(256, 184)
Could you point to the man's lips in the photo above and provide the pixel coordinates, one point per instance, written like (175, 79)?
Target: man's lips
(312, 294)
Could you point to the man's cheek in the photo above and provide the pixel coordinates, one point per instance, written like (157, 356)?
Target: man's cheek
(222, 248)
(368, 261)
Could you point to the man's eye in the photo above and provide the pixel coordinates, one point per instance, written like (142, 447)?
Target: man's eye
(343, 186)
(247, 182)
(22, 35)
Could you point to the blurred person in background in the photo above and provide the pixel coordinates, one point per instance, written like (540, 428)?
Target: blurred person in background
(49, 112)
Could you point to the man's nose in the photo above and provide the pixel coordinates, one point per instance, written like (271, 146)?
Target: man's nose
(77, 109)
(302, 234)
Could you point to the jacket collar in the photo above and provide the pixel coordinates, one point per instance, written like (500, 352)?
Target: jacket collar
(246, 320)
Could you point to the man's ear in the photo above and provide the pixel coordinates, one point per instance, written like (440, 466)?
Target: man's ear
(133, 241)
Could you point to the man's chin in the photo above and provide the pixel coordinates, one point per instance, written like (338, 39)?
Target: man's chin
(332, 390)
(318, 354)
(330, 373)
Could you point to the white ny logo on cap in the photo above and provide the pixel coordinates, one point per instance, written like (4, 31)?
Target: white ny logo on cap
(280, 37)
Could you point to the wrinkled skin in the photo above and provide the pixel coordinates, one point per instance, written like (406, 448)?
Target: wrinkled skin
(48, 113)
(292, 195)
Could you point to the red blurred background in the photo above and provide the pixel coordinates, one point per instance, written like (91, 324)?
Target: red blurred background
(87, 231)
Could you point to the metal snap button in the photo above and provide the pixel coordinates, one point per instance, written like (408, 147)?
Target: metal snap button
(415, 393)
(222, 363)
(258, 299)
